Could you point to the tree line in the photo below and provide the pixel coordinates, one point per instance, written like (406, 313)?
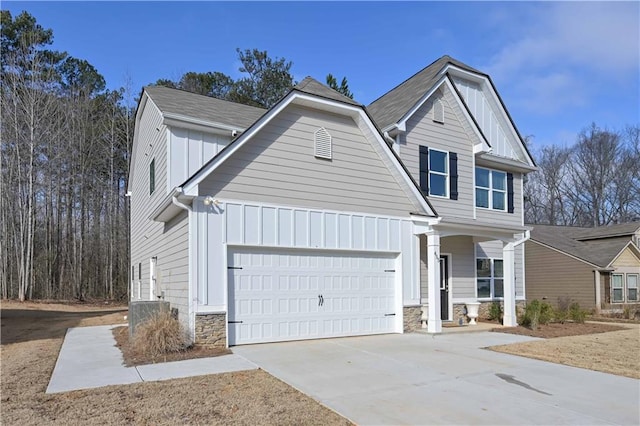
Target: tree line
(593, 182)
(65, 146)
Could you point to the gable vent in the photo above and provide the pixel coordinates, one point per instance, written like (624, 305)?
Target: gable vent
(438, 111)
(322, 140)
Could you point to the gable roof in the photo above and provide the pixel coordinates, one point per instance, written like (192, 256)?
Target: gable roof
(186, 104)
(314, 87)
(598, 252)
(315, 93)
(393, 105)
(609, 231)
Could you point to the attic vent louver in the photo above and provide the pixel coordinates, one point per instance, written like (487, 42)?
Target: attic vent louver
(438, 111)
(322, 140)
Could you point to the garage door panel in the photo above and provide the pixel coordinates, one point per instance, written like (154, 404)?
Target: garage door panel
(275, 294)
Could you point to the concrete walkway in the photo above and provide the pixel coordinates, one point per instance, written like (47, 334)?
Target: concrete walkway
(446, 379)
(89, 359)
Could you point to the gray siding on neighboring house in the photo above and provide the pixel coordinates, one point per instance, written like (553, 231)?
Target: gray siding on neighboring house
(452, 136)
(277, 165)
(148, 238)
(551, 274)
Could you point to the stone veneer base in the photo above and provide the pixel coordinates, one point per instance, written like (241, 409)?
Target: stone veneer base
(211, 330)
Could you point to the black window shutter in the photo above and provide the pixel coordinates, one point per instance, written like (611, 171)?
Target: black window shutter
(453, 175)
(424, 169)
(510, 193)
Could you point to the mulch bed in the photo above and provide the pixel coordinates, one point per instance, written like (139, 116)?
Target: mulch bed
(552, 330)
(133, 358)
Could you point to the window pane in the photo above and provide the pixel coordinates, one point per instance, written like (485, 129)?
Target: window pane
(499, 180)
(482, 177)
(483, 267)
(616, 281)
(632, 288)
(482, 198)
(438, 161)
(617, 295)
(484, 288)
(437, 185)
(497, 269)
(498, 200)
(498, 288)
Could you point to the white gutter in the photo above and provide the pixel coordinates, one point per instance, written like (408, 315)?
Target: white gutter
(183, 206)
(527, 235)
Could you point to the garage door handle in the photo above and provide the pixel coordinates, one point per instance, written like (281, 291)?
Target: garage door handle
(320, 300)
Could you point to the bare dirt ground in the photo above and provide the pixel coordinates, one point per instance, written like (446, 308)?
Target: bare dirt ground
(600, 347)
(32, 334)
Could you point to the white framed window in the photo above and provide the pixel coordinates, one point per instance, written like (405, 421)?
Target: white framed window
(489, 278)
(617, 288)
(438, 173)
(491, 189)
(632, 287)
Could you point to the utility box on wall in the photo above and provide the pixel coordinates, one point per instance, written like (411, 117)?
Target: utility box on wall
(140, 311)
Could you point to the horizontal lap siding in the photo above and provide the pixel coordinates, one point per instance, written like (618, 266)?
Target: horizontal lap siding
(168, 242)
(278, 165)
(503, 218)
(173, 264)
(450, 136)
(551, 274)
(626, 258)
(146, 234)
(463, 266)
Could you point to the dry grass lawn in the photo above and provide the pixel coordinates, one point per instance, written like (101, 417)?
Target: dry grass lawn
(32, 335)
(614, 352)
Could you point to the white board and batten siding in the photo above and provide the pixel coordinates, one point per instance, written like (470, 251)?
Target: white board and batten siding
(235, 226)
(188, 151)
(491, 122)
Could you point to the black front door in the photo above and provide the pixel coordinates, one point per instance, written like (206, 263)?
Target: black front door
(444, 288)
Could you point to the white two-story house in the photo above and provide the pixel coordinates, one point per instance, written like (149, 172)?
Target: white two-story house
(321, 217)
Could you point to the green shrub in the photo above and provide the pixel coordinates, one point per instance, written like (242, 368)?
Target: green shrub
(536, 313)
(576, 313)
(495, 312)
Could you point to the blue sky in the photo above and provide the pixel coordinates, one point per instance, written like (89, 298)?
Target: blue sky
(558, 66)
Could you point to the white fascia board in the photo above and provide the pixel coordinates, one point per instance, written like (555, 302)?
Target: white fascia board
(505, 162)
(322, 103)
(488, 87)
(388, 151)
(634, 249)
(482, 146)
(236, 145)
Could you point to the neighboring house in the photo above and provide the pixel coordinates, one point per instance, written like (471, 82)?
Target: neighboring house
(320, 217)
(597, 267)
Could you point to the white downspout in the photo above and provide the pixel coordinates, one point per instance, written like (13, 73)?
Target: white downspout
(527, 235)
(193, 301)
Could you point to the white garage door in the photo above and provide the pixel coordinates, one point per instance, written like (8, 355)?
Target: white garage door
(277, 295)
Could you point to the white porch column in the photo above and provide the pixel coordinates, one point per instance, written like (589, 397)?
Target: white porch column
(434, 324)
(508, 259)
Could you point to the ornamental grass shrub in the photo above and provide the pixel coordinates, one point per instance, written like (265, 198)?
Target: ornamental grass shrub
(159, 335)
(536, 313)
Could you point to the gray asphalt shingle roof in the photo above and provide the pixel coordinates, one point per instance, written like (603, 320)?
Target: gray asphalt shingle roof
(393, 105)
(600, 252)
(314, 87)
(203, 107)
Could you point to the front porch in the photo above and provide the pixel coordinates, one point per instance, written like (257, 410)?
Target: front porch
(460, 263)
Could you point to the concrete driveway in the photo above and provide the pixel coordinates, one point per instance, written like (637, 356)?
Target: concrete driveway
(445, 379)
